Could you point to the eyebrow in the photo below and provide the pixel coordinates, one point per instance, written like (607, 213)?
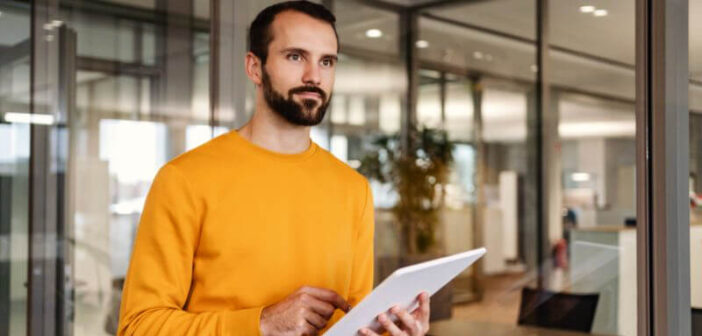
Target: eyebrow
(305, 53)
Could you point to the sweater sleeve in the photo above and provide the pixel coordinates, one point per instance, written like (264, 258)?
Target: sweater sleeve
(362, 274)
(158, 281)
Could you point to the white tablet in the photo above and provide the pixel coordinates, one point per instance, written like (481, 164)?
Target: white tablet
(402, 288)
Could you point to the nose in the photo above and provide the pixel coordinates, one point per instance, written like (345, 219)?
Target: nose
(311, 75)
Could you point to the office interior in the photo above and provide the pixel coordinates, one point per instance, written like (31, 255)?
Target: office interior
(140, 82)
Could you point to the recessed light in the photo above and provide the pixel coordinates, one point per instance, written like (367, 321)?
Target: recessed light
(600, 12)
(374, 33)
(478, 55)
(587, 9)
(422, 44)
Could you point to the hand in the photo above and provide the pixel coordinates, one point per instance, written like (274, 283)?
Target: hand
(414, 324)
(304, 312)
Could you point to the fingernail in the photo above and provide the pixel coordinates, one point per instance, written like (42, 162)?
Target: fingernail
(395, 309)
(364, 331)
(382, 317)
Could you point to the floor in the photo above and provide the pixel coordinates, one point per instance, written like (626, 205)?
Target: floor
(500, 303)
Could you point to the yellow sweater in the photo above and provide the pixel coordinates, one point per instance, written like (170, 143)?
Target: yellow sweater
(229, 228)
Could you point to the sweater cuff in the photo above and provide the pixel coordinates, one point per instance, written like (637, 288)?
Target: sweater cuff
(243, 322)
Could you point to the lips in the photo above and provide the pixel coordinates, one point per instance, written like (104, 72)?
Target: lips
(310, 95)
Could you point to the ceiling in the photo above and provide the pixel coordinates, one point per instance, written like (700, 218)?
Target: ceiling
(611, 37)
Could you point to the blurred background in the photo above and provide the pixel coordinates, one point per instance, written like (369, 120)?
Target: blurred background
(116, 88)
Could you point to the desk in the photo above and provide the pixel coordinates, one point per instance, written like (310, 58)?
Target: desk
(470, 328)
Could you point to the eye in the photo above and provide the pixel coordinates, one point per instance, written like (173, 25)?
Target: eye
(294, 57)
(327, 62)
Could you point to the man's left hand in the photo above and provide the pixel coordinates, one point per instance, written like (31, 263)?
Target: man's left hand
(408, 324)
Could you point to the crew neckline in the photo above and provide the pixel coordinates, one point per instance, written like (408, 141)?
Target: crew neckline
(294, 157)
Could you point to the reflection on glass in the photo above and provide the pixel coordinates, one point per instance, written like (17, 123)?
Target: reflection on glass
(429, 101)
(367, 102)
(142, 97)
(363, 27)
(471, 48)
(15, 61)
(369, 99)
(458, 109)
(592, 99)
(479, 60)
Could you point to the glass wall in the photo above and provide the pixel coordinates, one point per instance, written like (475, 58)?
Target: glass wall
(369, 99)
(486, 55)
(155, 79)
(142, 97)
(588, 150)
(15, 52)
(592, 57)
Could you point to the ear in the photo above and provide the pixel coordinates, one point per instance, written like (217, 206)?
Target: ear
(254, 68)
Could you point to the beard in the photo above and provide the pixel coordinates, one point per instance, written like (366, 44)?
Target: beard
(310, 113)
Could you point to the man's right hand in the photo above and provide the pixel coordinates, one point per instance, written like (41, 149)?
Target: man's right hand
(304, 312)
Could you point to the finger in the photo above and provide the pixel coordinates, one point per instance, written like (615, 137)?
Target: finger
(424, 304)
(309, 329)
(367, 332)
(329, 296)
(318, 306)
(389, 325)
(408, 321)
(315, 320)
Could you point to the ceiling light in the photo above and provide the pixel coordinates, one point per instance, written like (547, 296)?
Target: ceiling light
(477, 55)
(374, 33)
(422, 44)
(27, 118)
(587, 9)
(580, 177)
(600, 12)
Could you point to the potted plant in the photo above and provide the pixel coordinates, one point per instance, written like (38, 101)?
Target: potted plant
(418, 174)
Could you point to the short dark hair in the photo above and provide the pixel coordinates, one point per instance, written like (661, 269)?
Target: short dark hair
(260, 35)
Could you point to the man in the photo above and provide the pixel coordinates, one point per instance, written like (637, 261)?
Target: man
(259, 231)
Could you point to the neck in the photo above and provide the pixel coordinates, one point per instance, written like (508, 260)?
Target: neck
(269, 130)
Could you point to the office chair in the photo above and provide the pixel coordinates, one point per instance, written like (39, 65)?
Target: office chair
(548, 309)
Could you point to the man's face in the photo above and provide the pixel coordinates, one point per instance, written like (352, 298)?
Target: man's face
(298, 76)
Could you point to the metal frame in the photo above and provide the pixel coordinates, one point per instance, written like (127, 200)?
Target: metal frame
(409, 25)
(52, 73)
(663, 257)
(537, 125)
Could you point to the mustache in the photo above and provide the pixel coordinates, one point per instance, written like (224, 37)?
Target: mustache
(301, 89)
